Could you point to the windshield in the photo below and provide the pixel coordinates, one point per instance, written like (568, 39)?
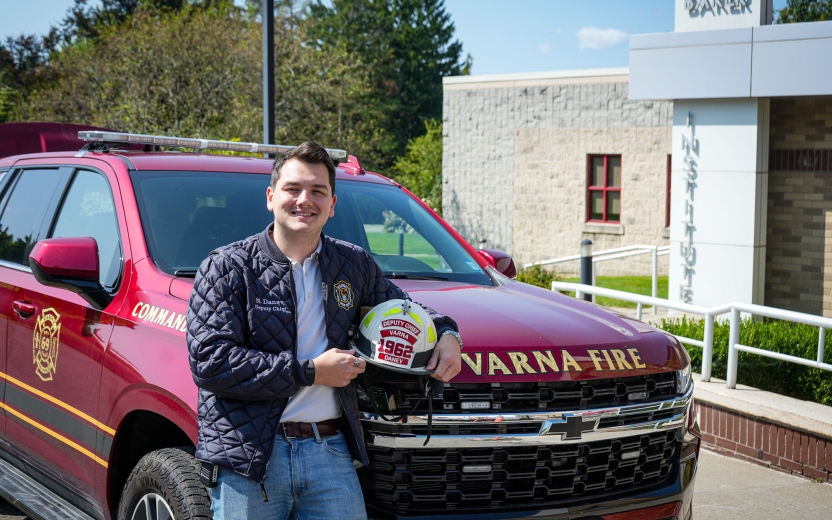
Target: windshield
(186, 215)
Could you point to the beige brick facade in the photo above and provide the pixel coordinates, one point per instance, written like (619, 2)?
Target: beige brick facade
(515, 157)
(550, 193)
(515, 175)
(799, 236)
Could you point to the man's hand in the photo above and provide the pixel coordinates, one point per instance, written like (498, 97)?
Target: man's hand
(336, 367)
(445, 359)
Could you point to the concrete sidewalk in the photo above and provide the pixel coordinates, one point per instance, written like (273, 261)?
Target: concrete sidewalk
(727, 488)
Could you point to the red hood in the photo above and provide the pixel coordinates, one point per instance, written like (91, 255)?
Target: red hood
(518, 332)
(511, 331)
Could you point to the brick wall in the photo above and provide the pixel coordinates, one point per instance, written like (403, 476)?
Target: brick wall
(495, 136)
(550, 201)
(765, 443)
(799, 230)
(801, 123)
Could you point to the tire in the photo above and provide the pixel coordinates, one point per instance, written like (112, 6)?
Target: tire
(166, 480)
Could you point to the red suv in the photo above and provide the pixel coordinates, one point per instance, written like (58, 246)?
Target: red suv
(562, 408)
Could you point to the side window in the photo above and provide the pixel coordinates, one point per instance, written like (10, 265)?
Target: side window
(23, 212)
(88, 211)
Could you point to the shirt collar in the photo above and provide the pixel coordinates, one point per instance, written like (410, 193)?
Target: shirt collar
(313, 257)
(272, 251)
(317, 250)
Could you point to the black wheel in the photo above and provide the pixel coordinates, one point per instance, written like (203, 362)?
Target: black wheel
(165, 485)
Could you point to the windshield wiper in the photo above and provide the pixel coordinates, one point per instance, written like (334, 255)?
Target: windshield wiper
(404, 276)
(186, 273)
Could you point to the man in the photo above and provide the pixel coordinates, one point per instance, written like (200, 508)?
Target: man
(278, 408)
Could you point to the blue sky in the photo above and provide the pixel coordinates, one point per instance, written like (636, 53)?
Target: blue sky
(503, 36)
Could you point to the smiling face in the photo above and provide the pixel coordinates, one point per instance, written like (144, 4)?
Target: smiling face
(301, 200)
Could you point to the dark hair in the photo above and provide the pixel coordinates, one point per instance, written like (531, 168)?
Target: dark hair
(309, 152)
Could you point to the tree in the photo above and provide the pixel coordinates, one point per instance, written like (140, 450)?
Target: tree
(197, 72)
(420, 169)
(85, 21)
(6, 94)
(805, 11)
(22, 58)
(410, 46)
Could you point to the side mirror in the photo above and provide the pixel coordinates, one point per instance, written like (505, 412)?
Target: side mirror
(71, 264)
(501, 261)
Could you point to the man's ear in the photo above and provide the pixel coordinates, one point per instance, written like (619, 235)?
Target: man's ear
(332, 208)
(269, 195)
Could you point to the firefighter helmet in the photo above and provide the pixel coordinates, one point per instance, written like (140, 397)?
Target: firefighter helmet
(397, 335)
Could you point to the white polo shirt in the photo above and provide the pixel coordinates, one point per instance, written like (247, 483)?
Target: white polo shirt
(312, 403)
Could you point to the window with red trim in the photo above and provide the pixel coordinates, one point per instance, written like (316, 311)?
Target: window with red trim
(604, 189)
(667, 208)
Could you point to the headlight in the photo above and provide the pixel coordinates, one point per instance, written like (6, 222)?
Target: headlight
(683, 380)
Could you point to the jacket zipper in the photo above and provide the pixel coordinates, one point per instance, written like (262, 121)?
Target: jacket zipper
(295, 355)
(352, 426)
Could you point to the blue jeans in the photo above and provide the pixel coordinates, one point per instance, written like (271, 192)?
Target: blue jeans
(306, 480)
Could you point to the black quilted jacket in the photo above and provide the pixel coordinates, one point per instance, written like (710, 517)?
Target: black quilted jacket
(242, 339)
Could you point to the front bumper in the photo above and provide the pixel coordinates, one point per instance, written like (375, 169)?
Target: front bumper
(636, 459)
(672, 501)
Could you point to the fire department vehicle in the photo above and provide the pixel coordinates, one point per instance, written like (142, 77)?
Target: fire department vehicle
(562, 410)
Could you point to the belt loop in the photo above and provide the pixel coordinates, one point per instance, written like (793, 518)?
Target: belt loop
(315, 429)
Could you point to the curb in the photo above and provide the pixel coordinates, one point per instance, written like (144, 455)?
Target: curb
(766, 429)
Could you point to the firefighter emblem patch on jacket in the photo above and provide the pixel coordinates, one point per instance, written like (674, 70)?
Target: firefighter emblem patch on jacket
(343, 294)
(45, 343)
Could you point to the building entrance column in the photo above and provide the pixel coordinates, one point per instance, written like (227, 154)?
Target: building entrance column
(719, 198)
(720, 154)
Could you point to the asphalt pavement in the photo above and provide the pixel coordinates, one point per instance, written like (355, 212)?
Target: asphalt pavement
(726, 489)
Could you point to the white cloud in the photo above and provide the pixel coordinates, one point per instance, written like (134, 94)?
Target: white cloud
(600, 39)
(544, 49)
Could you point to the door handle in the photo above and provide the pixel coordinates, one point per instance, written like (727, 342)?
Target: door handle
(23, 309)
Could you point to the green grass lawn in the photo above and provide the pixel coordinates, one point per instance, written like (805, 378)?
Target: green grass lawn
(414, 246)
(634, 284)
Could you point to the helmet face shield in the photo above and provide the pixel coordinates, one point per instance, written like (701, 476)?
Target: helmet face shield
(397, 335)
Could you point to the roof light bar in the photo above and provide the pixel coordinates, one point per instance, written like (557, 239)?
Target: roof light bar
(186, 142)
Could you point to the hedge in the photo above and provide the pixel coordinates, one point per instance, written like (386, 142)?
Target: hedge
(537, 275)
(781, 377)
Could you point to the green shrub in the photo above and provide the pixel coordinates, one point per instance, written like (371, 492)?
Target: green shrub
(537, 275)
(781, 377)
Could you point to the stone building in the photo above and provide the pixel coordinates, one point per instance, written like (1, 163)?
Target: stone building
(525, 156)
(751, 192)
(798, 273)
(716, 141)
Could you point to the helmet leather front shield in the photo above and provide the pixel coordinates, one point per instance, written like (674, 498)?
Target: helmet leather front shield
(397, 335)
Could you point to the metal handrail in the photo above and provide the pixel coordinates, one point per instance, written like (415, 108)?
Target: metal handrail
(662, 250)
(734, 346)
(615, 253)
(707, 344)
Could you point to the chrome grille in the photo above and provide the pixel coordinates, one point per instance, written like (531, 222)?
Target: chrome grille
(423, 481)
(400, 397)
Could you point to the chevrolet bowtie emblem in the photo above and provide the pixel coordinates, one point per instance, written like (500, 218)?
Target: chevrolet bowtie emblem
(570, 427)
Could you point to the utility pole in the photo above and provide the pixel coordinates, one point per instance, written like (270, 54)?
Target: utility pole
(267, 12)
